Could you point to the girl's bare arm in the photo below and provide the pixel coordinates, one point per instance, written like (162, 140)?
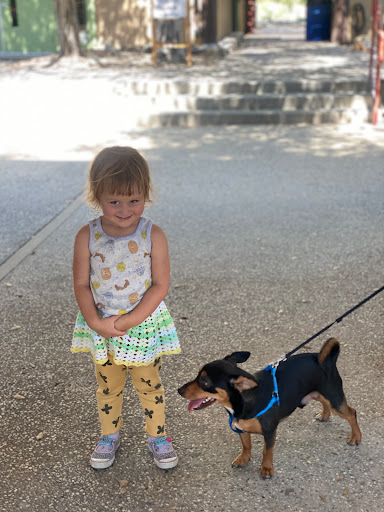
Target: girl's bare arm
(81, 272)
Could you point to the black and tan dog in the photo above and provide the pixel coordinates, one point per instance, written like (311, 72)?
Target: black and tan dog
(257, 403)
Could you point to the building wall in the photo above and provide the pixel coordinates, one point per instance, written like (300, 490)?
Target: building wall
(36, 30)
(225, 17)
(366, 4)
(224, 21)
(116, 24)
(343, 20)
(123, 23)
(241, 15)
(88, 36)
(127, 23)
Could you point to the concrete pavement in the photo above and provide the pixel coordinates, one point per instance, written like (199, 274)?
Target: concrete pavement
(100, 96)
(273, 233)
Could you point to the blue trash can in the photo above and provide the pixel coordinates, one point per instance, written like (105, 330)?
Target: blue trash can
(319, 14)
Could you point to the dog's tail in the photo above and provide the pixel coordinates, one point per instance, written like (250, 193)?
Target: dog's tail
(329, 353)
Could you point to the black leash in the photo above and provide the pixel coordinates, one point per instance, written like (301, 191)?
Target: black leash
(335, 322)
(273, 366)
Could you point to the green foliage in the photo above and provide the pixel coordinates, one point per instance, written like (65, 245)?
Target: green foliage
(287, 3)
(281, 10)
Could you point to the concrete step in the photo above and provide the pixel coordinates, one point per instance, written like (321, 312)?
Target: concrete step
(218, 87)
(161, 103)
(252, 102)
(192, 119)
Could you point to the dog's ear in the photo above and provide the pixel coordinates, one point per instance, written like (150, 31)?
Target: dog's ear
(237, 357)
(243, 383)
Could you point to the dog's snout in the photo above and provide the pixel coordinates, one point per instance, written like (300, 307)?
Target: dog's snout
(181, 390)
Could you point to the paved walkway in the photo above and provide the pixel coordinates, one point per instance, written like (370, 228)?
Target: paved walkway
(273, 233)
(94, 97)
(271, 53)
(270, 56)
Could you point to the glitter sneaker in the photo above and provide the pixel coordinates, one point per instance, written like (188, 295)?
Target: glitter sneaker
(164, 455)
(104, 454)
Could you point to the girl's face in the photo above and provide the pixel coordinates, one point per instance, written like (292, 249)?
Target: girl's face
(121, 214)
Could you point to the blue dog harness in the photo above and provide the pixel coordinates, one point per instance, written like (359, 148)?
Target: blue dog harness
(274, 400)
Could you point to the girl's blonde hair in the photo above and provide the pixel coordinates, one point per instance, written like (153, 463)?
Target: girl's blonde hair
(118, 170)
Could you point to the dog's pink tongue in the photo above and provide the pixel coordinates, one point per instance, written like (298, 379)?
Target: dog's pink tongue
(195, 403)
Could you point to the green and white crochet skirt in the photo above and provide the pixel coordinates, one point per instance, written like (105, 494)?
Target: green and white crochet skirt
(155, 337)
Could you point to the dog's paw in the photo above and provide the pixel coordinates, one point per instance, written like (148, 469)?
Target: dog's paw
(240, 461)
(267, 472)
(354, 440)
(322, 417)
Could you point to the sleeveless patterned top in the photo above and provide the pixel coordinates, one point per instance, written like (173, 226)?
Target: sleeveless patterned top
(120, 267)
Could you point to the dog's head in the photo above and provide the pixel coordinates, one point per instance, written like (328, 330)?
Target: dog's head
(220, 381)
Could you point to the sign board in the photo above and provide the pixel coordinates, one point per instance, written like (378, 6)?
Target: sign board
(165, 11)
(169, 9)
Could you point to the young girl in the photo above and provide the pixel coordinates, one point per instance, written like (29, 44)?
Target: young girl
(121, 276)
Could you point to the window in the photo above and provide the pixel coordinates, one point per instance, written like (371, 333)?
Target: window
(13, 8)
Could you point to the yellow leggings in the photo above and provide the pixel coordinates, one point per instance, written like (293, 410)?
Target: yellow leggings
(147, 383)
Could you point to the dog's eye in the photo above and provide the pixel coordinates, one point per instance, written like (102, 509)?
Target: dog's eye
(206, 384)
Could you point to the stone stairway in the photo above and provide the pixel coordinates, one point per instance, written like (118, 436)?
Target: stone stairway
(165, 103)
(271, 77)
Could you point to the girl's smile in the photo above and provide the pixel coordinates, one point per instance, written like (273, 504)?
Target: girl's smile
(121, 213)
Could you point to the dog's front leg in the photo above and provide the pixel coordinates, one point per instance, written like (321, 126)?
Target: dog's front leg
(243, 458)
(266, 469)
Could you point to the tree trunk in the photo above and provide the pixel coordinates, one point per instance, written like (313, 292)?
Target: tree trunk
(67, 27)
(340, 32)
